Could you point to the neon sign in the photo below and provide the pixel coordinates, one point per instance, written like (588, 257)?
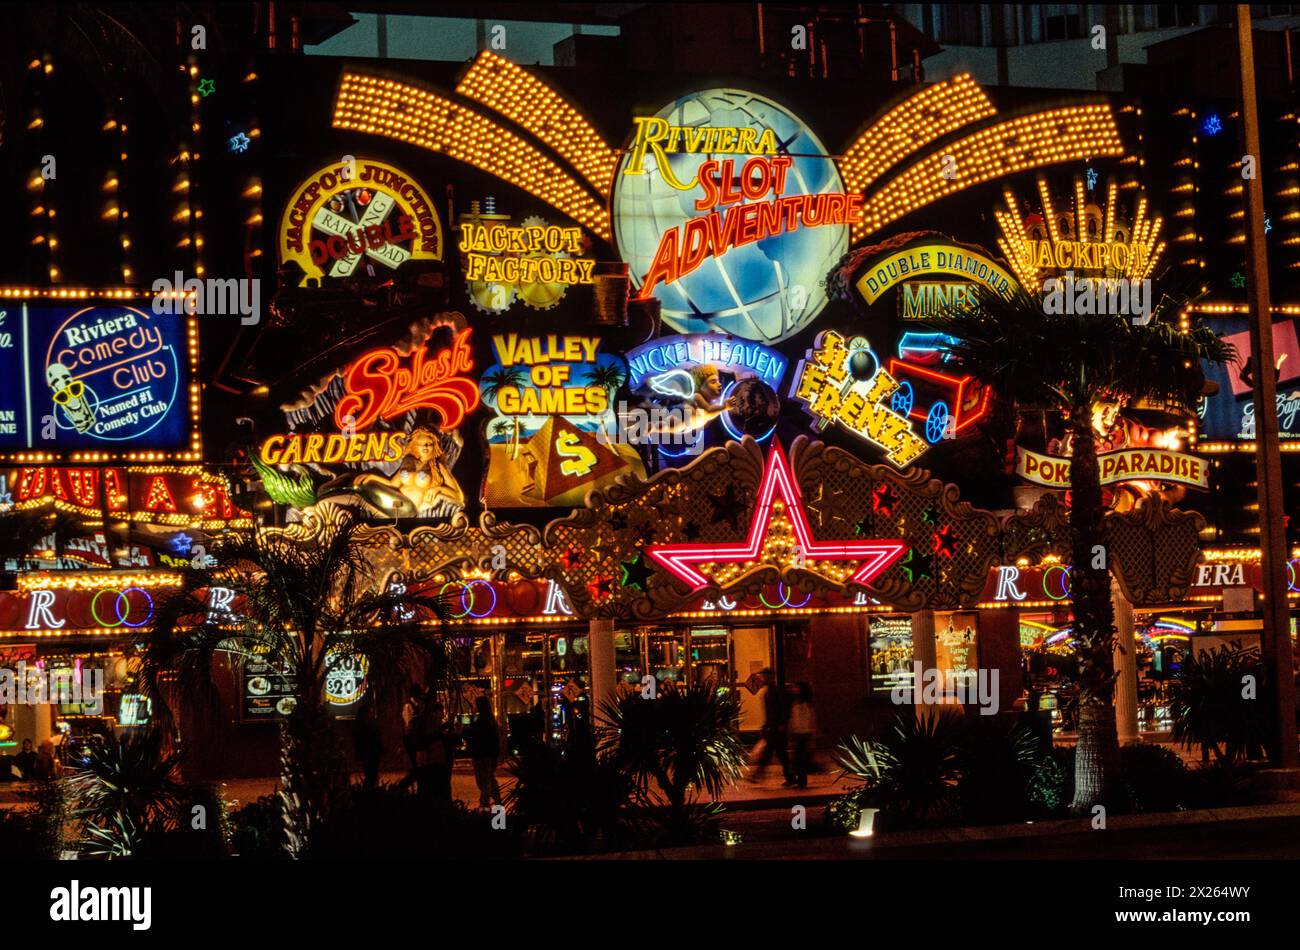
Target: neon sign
(386, 383)
(682, 250)
(655, 134)
(733, 180)
(534, 251)
(779, 535)
(319, 448)
(549, 444)
(97, 378)
(1122, 466)
(842, 382)
(355, 211)
(716, 349)
(890, 271)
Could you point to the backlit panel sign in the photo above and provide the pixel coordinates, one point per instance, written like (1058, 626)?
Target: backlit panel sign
(97, 381)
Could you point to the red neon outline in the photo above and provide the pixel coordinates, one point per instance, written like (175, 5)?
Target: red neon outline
(777, 477)
(960, 381)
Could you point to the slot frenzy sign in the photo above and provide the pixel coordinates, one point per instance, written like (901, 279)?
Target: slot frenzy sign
(834, 390)
(1127, 465)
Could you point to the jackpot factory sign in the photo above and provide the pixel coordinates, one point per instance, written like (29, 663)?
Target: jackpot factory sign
(108, 378)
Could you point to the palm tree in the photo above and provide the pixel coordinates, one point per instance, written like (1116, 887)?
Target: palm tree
(685, 740)
(1067, 362)
(503, 377)
(608, 376)
(301, 604)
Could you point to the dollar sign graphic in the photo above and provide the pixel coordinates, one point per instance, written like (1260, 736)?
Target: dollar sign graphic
(578, 459)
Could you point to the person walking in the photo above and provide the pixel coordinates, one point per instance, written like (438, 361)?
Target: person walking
(484, 746)
(803, 727)
(438, 742)
(368, 743)
(26, 760)
(773, 731)
(412, 713)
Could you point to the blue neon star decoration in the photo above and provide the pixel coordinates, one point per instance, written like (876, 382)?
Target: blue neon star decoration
(1212, 124)
(1092, 178)
(239, 142)
(182, 543)
(1268, 225)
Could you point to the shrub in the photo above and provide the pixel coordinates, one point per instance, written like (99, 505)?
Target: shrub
(1156, 778)
(998, 761)
(1051, 787)
(914, 766)
(256, 830)
(571, 799)
(673, 749)
(394, 823)
(1208, 709)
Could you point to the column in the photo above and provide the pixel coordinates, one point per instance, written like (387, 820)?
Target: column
(923, 652)
(600, 654)
(1126, 683)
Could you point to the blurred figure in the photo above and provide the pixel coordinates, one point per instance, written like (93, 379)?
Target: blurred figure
(438, 742)
(368, 742)
(803, 726)
(47, 765)
(412, 711)
(26, 760)
(483, 743)
(773, 731)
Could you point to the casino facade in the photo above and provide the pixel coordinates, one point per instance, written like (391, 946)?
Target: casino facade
(634, 367)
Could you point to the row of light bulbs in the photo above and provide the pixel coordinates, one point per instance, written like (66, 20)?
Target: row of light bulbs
(911, 125)
(412, 115)
(1071, 133)
(499, 84)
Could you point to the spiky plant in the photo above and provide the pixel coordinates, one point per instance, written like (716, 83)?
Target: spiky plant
(675, 747)
(125, 789)
(1211, 706)
(301, 602)
(914, 766)
(1069, 362)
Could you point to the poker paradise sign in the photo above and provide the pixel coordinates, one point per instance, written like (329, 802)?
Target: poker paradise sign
(1159, 465)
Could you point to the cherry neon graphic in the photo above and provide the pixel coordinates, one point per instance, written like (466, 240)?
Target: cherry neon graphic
(778, 479)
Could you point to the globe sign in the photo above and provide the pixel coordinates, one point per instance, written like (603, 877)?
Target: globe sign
(765, 291)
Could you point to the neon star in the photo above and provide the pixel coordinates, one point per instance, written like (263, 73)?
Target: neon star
(778, 479)
(636, 572)
(207, 87)
(1238, 279)
(240, 142)
(1092, 178)
(182, 543)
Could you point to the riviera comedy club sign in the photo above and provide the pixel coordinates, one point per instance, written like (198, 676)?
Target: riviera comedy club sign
(1159, 465)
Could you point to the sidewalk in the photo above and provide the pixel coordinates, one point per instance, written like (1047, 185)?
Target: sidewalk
(767, 793)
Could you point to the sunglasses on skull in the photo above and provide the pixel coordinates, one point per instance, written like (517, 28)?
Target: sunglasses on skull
(74, 390)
